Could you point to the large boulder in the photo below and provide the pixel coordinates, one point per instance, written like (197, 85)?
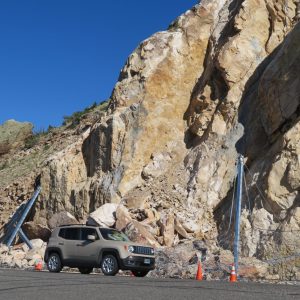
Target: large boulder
(176, 262)
(13, 135)
(252, 268)
(180, 229)
(157, 166)
(167, 228)
(104, 216)
(36, 231)
(61, 218)
(3, 249)
(139, 233)
(123, 217)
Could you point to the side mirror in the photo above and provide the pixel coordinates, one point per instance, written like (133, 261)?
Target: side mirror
(91, 237)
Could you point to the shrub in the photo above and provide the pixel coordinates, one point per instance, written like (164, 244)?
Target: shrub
(31, 141)
(34, 139)
(3, 165)
(75, 118)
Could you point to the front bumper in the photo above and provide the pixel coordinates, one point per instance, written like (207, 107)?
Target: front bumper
(138, 263)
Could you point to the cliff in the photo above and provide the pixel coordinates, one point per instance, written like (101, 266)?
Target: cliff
(221, 81)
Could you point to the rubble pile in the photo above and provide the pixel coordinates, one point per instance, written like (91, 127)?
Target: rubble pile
(20, 256)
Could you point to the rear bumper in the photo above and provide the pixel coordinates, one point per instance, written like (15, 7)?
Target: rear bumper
(138, 263)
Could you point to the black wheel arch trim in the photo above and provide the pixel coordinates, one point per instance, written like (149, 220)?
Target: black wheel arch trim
(51, 250)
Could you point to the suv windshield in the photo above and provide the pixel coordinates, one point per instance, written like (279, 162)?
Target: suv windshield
(114, 235)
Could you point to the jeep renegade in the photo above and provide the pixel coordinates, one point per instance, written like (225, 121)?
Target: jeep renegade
(87, 247)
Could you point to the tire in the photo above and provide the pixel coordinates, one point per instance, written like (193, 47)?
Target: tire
(54, 263)
(109, 265)
(140, 273)
(85, 270)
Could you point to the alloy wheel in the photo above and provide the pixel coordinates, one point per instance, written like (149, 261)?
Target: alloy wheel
(54, 263)
(109, 265)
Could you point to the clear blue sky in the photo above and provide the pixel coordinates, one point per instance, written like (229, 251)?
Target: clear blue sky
(60, 56)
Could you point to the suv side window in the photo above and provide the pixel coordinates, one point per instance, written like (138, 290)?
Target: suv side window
(88, 231)
(72, 233)
(62, 232)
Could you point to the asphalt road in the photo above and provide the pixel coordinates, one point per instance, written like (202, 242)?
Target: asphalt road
(44, 285)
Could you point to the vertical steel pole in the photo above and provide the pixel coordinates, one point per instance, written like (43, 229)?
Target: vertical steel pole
(239, 191)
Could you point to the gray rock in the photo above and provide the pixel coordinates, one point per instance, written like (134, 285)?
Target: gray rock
(3, 249)
(157, 166)
(36, 231)
(13, 135)
(24, 264)
(18, 264)
(17, 254)
(33, 255)
(140, 234)
(123, 217)
(61, 218)
(31, 262)
(104, 216)
(37, 243)
(180, 230)
(6, 260)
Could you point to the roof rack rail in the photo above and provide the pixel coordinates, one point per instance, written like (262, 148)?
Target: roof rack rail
(77, 225)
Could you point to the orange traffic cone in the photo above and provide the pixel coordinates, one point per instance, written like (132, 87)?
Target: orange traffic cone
(38, 265)
(233, 277)
(199, 272)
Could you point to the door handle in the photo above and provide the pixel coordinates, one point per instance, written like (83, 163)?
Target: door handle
(79, 245)
(61, 244)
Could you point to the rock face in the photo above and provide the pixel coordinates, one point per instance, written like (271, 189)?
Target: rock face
(221, 81)
(13, 135)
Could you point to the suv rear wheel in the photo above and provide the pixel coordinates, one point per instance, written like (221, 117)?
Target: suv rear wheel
(85, 270)
(139, 273)
(109, 265)
(54, 263)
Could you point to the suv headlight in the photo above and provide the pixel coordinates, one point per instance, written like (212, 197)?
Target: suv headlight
(152, 251)
(130, 249)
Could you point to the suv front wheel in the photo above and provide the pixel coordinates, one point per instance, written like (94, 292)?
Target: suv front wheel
(54, 263)
(109, 265)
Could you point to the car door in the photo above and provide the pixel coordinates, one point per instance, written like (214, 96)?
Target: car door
(88, 250)
(71, 239)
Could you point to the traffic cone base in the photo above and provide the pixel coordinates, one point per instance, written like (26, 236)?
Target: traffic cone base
(199, 272)
(38, 266)
(233, 277)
